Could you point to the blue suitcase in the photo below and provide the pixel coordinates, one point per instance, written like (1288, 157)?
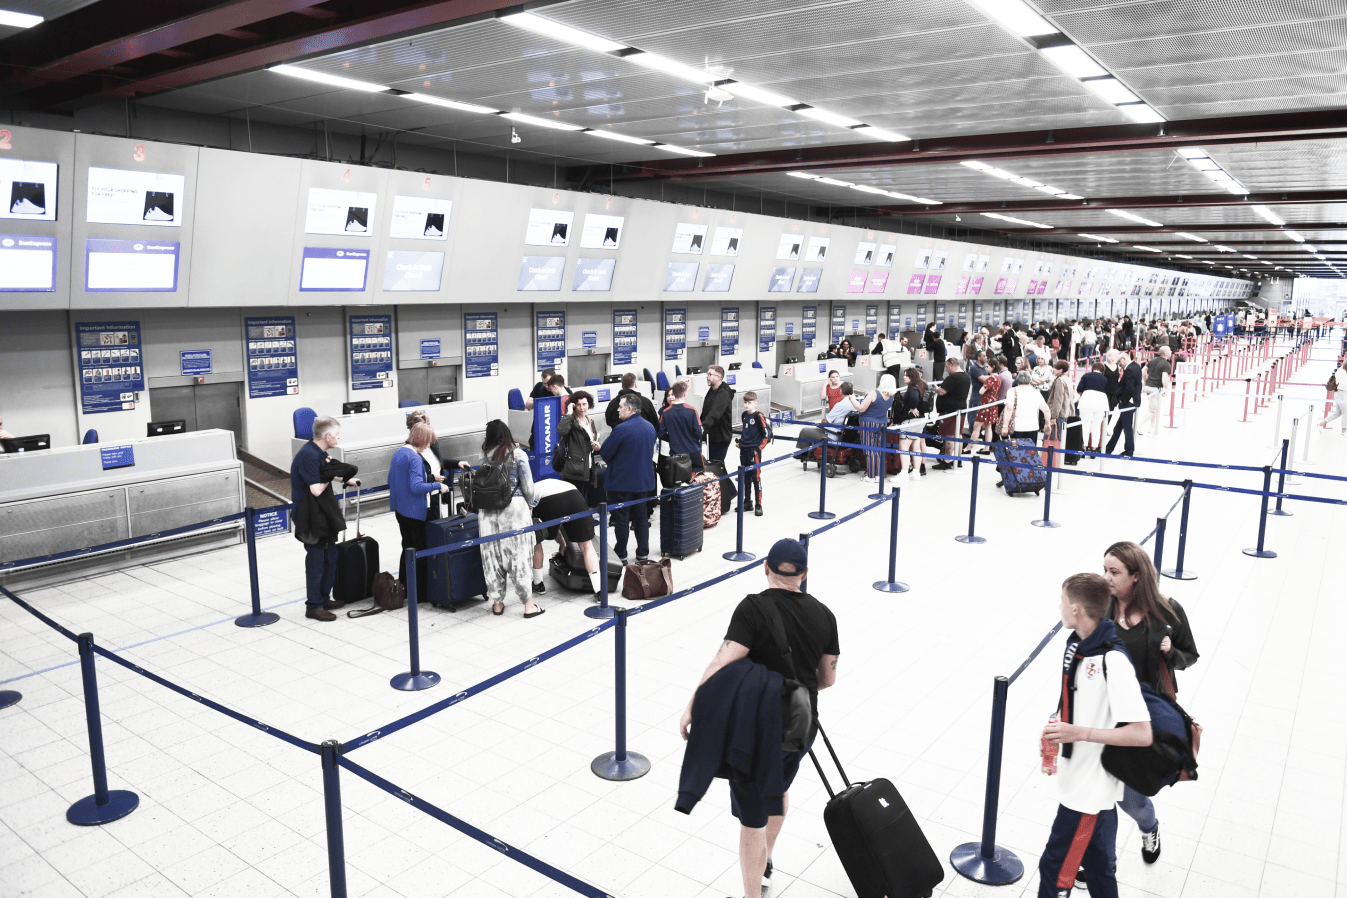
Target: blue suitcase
(1030, 479)
(680, 521)
(454, 577)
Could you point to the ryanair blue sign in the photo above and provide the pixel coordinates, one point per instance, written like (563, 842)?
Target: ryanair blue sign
(546, 424)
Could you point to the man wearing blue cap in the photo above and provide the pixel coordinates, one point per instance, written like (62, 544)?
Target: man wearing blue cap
(811, 637)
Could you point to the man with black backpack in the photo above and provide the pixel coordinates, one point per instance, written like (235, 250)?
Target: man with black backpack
(1095, 710)
(810, 659)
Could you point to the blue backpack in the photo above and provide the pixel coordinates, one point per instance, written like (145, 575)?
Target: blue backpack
(1172, 755)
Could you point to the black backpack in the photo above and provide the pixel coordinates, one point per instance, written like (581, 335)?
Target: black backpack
(797, 712)
(1172, 755)
(927, 401)
(488, 487)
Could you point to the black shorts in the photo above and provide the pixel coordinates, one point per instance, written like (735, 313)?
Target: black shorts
(747, 802)
(578, 530)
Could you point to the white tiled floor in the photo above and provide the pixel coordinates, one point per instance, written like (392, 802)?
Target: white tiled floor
(227, 810)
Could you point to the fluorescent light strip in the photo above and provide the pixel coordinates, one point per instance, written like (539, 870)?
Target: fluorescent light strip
(624, 138)
(536, 121)
(1137, 218)
(834, 182)
(670, 67)
(1097, 237)
(451, 104)
(831, 118)
(1193, 237)
(1032, 224)
(682, 151)
(19, 19)
(1111, 89)
(802, 174)
(1140, 113)
(329, 80)
(758, 95)
(563, 33)
(1016, 179)
(880, 133)
(1268, 215)
(1149, 249)
(1074, 61)
(1018, 16)
(1294, 236)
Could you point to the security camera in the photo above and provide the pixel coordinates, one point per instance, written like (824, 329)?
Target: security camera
(514, 136)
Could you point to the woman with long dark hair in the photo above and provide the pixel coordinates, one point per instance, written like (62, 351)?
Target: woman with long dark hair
(912, 424)
(1154, 630)
(508, 563)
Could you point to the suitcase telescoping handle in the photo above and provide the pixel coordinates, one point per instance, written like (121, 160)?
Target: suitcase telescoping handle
(817, 766)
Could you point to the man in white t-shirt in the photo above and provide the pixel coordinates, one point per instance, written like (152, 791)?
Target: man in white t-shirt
(1095, 710)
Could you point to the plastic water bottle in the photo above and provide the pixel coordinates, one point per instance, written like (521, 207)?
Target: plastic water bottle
(1049, 751)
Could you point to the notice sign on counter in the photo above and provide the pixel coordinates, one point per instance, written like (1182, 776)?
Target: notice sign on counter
(371, 339)
(117, 457)
(272, 521)
(550, 329)
(481, 344)
(194, 362)
(110, 365)
(430, 349)
(675, 333)
(624, 336)
(272, 358)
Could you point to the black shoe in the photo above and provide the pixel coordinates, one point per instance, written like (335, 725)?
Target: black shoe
(942, 466)
(317, 612)
(748, 505)
(1080, 878)
(539, 588)
(333, 605)
(923, 469)
(757, 512)
(767, 880)
(1150, 845)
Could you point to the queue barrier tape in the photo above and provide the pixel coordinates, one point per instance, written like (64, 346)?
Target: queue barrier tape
(125, 543)
(511, 851)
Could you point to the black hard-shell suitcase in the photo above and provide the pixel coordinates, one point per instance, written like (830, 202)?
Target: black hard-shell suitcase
(879, 842)
(454, 577)
(680, 521)
(570, 571)
(1075, 439)
(357, 564)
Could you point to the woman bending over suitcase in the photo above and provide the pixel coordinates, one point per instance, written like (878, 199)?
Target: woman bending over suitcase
(412, 483)
(507, 563)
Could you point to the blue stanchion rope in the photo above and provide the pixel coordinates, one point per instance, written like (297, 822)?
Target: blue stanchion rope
(123, 543)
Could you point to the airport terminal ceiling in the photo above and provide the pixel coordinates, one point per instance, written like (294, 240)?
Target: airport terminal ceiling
(1202, 135)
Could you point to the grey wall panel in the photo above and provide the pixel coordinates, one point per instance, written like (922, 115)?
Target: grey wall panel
(121, 153)
(167, 332)
(38, 145)
(38, 375)
(585, 316)
(243, 228)
(335, 176)
(441, 321)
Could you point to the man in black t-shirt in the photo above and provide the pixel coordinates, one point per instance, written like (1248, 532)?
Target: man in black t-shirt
(951, 396)
(811, 636)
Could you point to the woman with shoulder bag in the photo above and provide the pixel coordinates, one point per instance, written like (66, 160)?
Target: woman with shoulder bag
(579, 441)
(912, 423)
(1155, 631)
(413, 490)
(1019, 421)
(508, 563)
(1337, 393)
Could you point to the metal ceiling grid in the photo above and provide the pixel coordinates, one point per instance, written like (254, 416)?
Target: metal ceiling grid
(1306, 165)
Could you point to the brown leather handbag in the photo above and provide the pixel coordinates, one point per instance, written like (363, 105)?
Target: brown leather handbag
(645, 580)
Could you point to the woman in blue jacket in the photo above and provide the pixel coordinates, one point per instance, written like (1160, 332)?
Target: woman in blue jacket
(411, 482)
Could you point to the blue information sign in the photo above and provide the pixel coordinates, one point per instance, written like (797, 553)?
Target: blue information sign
(371, 338)
(809, 325)
(430, 349)
(110, 365)
(729, 330)
(675, 333)
(481, 344)
(703, 334)
(624, 336)
(766, 328)
(117, 457)
(194, 362)
(589, 339)
(839, 323)
(551, 339)
(272, 359)
(271, 521)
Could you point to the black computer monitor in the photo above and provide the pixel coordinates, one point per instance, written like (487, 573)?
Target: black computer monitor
(792, 359)
(162, 428)
(27, 444)
(612, 378)
(735, 366)
(695, 369)
(355, 408)
(441, 398)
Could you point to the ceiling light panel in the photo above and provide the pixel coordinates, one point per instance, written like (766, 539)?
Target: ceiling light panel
(536, 121)
(682, 151)
(450, 104)
(1017, 16)
(1098, 237)
(831, 118)
(671, 67)
(1137, 218)
(329, 80)
(1023, 221)
(560, 32)
(1074, 61)
(834, 182)
(880, 133)
(18, 19)
(758, 95)
(624, 138)
(1140, 113)
(1110, 89)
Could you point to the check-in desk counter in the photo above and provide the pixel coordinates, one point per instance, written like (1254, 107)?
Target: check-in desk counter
(369, 440)
(748, 380)
(799, 385)
(64, 500)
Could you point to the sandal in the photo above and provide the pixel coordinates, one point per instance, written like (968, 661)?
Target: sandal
(534, 614)
(502, 608)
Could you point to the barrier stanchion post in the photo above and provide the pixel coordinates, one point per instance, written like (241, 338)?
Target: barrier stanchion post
(1259, 551)
(883, 462)
(1159, 554)
(1179, 572)
(105, 805)
(1281, 483)
(258, 618)
(823, 514)
(985, 861)
(1248, 387)
(1047, 520)
(969, 537)
(416, 679)
(1295, 434)
(892, 584)
(739, 554)
(1277, 431)
(336, 845)
(620, 765)
(1170, 425)
(9, 697)
(1309, 432)
(603, 610)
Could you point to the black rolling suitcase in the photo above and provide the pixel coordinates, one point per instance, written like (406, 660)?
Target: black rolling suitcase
(454, 577)
(680, 521)
(569, 571)
(1075, 439)
(877, 839)
(357, 564)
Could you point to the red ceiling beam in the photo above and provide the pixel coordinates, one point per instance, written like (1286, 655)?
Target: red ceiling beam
(1210, 132)
(1280, 198)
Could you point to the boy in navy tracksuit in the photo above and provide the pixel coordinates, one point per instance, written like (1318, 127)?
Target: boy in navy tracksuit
(1099, 706)
(755, 436)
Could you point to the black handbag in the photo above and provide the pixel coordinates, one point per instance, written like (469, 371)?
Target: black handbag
(674, 470)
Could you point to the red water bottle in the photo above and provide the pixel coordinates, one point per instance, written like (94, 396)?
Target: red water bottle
(1049, 751)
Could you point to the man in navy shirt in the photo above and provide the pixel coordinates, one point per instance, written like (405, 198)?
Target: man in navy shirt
(680, 425)
(629, 451)
(307, 485)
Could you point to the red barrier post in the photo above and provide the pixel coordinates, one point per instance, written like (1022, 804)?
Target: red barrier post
(1248, 385)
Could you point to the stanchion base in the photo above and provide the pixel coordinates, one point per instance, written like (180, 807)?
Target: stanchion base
(822, 515)
(9, 697)
(971, 540)
(607, 767)
(877, 496)
(257, 620)
(1175, 574)
(410, 682)
(1265, 553)
(87, 812)
(1002, 868)
(738, 556)
(1047, 524)
(891, 586)
(1277, 512)
(599, 612)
